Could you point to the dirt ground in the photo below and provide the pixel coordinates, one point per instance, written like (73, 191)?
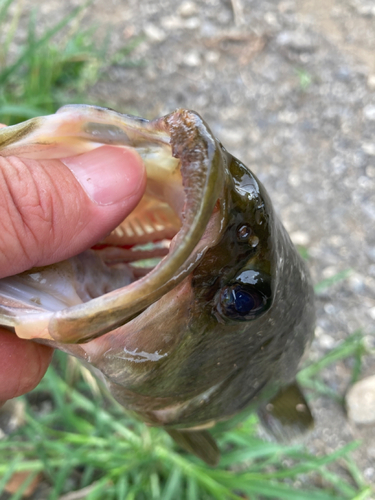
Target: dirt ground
(288, 86)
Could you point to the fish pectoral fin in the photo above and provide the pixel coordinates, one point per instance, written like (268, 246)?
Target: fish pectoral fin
(199, 443)
(287, 415)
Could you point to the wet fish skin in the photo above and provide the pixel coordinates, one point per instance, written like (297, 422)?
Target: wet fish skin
(229, 333)
(248, 361)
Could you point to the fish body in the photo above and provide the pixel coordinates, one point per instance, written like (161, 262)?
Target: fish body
(218, 325)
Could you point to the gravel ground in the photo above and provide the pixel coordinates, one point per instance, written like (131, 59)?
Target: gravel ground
(288, 87)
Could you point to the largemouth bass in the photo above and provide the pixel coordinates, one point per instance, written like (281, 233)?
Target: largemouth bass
(197, 306)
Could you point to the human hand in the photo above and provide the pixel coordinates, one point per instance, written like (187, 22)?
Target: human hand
(51, 210)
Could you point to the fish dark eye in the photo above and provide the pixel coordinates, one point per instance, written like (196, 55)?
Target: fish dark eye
(245, 300)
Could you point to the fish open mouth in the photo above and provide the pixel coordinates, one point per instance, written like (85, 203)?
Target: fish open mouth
(151, 251)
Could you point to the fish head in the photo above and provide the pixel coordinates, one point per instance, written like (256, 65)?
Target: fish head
(221, 319)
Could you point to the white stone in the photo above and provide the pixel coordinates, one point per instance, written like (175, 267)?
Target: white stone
(286, 6)
(329, 271)
(192, 59)
(295, 40)
(326, 341)
(369, 148)
(212, 57)
(371, 82)
(369, 112)
(287, 117)
(360, 401)
(364, 7)
(188, 9)
(172, 23)
(192, 23)
(300, 238)
(154, 33)
(294, 180)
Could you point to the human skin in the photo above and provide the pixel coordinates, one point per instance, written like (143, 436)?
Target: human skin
(51, 210)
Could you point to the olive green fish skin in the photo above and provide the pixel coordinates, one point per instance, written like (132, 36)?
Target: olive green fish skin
(219, 365)
(211, 341)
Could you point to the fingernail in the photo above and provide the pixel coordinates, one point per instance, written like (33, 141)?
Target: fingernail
(107, 174)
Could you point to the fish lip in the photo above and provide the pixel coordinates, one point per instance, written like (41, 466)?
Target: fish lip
(203, 176)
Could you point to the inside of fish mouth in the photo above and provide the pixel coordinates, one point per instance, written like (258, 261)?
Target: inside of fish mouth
(105, 287)
(143, 239)
(128, 253)
(135, 247)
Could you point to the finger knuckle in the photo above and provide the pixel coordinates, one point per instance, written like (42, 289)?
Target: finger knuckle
(28, 204)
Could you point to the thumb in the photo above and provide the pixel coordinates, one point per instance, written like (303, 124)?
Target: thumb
(54, 209)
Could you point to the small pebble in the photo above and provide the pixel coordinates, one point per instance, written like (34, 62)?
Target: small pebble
(372, 313)
(211, 56)
(192, 59)
(369, 112)
(300, 238)
(154, 33)
(369, 148)
(364, 7)
(289, 117)
(172, 23)
(326, 341)
(192, 23)
(360, 401)
(371, 82)
(356, 283)
(330, 271)
(12, 416)
(286, 6)
(369, 473)
(187, 9)
(296, 40)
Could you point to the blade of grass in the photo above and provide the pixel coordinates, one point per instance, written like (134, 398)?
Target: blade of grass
(11, 29)
(155, 486)
(347, 348)
(192, 489)
(30, 49)
(283, 492)
(172, 488)
(4, 9)
(354, 471)
(21, 110)
(336, 481)
(122, 487)
(363, 495)
(116, 447)
(9, 473)
(328, 282)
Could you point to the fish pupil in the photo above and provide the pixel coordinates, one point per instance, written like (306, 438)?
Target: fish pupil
(242, 302)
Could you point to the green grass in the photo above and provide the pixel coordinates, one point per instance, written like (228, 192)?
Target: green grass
(50, 69)
(79, 438)
(87, 442)
(304, 78)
